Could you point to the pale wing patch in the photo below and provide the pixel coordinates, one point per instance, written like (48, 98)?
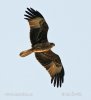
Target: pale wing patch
(54, 69)
(36, 22)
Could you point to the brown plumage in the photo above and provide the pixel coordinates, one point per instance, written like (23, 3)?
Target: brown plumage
(53, 65)
(42, 48)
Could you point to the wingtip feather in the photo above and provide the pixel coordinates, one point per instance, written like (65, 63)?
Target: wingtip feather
(31, 13)
(58, 79)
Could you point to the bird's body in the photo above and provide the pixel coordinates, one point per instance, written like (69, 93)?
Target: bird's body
(42, 47)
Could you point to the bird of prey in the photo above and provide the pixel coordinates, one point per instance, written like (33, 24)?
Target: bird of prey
(42, 47)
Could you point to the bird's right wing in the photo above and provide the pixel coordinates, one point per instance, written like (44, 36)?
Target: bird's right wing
(53, 65)
(38, 26)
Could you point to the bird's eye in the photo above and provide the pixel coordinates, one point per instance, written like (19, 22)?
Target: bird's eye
(41, 22)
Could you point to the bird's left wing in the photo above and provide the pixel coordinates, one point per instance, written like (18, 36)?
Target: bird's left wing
(38, 26)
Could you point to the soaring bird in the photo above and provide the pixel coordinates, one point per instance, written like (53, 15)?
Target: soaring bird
(42, 47)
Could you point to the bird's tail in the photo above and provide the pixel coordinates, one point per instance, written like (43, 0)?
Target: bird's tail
(26, 52)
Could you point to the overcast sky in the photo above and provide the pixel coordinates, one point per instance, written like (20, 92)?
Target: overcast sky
(69, 28)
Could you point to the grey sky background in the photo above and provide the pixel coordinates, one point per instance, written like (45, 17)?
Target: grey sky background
(69, 28)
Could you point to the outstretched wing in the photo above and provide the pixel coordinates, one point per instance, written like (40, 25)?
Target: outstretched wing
(53, 65)
(38, 26)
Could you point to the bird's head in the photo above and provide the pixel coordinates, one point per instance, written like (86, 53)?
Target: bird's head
(52, 44)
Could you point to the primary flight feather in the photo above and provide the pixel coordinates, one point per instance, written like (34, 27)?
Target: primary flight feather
(42, 47)
(38, 26)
